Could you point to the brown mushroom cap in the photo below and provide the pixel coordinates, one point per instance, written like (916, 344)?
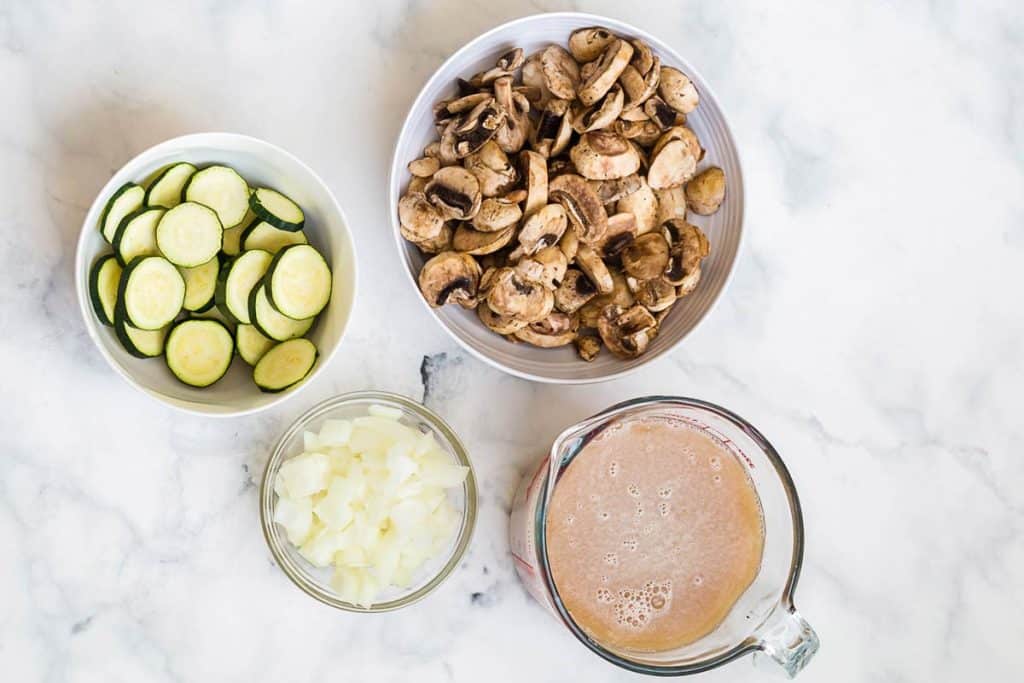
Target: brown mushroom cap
(639, 85)
(552, 265)
(575, 290)
(614, 189)
(604, 155)
(555, 329)
(434, 245)
(645, 132)
(450, 277)
(553, 131)
(425, 167)
(643, 204)
(534, 170)
(671, 203)
(656, 294)
(542, 228)
(418, 217)
(497, 214)
(477, 127)
(613, 60)
(643, 56)
(626, 333)
(646, 257)
(492, 169)
(705, 192)
(584, 210)
(588, 346)
(677, 90)
(688, 250)
(672, 164)
(502, 324)
(587, 44)
(621, 233)
(512, 295)
(600, 115)
(477, 243)
(569, 244)
(590, 262)
(455, 192)
(660, 113)
(561, 72)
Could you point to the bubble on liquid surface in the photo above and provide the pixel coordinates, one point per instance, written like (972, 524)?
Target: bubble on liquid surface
(717, 479)
(715, 462)
(611, 559)
(613, 468)
(633, 490)
(570, 519)
(604, 516)
(698, 580)
(639, 510)
(665, 492)
(579, 504)
(663, 509)
(630, 544)
(604, 596)
(593, 497)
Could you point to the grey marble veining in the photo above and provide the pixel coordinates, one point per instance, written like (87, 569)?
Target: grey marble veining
(874, 332)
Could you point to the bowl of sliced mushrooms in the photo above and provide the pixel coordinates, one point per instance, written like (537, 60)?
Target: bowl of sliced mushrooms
(567, 197)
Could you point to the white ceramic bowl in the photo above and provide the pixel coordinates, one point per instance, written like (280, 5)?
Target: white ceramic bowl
(261, 164)
(724, 229)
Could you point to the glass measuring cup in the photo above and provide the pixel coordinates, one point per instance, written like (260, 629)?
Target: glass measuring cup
(763, 621)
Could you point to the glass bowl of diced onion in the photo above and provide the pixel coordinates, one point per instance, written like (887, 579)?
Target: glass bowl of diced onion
(368, 502)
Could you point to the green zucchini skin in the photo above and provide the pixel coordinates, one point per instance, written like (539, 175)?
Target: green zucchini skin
(122, 230)
(170, 361)
(94, 289)
(123, 286)
(276, 390)
(266, 215)
(110, 205)
(155, 184)
(250, 230)
(199, 175)
(120, 330)
(268, 278)
(255, 322)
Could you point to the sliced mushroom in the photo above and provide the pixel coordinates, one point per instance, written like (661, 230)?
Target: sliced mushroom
(619, 296)
(554, 129)
(433, 245)
(590, 262)
(418, 217)
(561, 72)
(425, 167)
(477, 243)
(492, 169)
(643, 204)
(515, 129)
(672, 164)
(705, 192)
(450, 277)
(477, 127)
(417, 184)
(626, 333)
(533, 78)
(584, 210)
(689, 283)
(604, 155)
(512, 295)
(600, 115)
(502, 324)
(552, 266)
(587, 44)
(534, 170)
(671, 204)
(643, 58)
(614, 189)
(613, 60)
(677, 90)
(645, 132)
(656, 294)
(574, 291)
(621, 233)
(660, 113)
(497, 214)
(588, 346)
(542, 228)
(445, 108)
(688, 250)
(683, 134)
(638, 86)
(560, 166)
(455, 192)
(634, 115)
(511, 60)
(646, 256)
(556, 329)
(432, 150)
(569, 244)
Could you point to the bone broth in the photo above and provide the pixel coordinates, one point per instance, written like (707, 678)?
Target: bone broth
(654, 531)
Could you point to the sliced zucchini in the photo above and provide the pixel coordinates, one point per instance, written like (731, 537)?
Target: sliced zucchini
(139, 343)
(284, 365)
(165, 191)
(263, 235)
(199, 351)
(103, 280)
(237, 280)
(299, 282)
(200, 285)
(233, 240)
(125, 200)
(221, 189)
(271, 323)
(251, 344)
(152, 292)
(189, 235)
(136, 236)
(276, 209)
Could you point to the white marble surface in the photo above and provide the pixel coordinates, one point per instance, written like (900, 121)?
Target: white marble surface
(874, 332)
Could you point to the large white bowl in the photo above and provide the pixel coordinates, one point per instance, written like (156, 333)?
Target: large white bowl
(261, 164)
(724, 229)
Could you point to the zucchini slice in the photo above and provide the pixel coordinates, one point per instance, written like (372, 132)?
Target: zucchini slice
(263, 235)
(271, 323)
(165, 191)
(139, 343)
(251, 344)
(136, 236)
(125, 200)
(237, 280)
(103, 280)
(189, 235)
(199, 351)
(299, 282)
(285, 365)
(221, 189)
(200, 285)
(232, 241)
(276, 209)
(152, 292)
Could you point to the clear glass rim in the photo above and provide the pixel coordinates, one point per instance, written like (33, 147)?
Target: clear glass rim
(747, 645)
(274, 539)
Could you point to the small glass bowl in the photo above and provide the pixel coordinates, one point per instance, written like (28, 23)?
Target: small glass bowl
(315, 581)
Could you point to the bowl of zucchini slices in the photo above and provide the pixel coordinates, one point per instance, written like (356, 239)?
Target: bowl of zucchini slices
(216, 273)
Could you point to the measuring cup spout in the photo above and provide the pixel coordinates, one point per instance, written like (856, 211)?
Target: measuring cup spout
(786, 640)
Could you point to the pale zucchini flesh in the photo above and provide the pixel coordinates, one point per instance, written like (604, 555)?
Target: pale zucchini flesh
(136, 236)
(200, 285)
(166, 190)
(221, 189)
(139, 343)
(251, 344)
(104, 278)
(272, 323)
(285, 365)
(299, 282)
(199, 351)
(276, 209)
(152, 292)
(126, 199)
(189, 235)
(237, 280)
(263, 235)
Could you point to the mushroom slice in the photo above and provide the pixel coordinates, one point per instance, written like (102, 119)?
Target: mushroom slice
(417, 184)
(643, 204)
(477, 127)
(512, 295)
(600, 115)
(477, 243)
(689, 283)
(646, 257)
(634, 115)
(643, 56)
(587, 44)
(502, 324)
(604, 155)
(542, 228)
(561, 72)
(621, 233)
(534, 170)
(492, 169)
(554, 129)
(551, 266)
(432, 150)
(626, 333)
(683, 134)
(497, 214)
(645, 132)
(450, 277)
(619, 296)
(425, 167)
(533, 78)
(656, 294)
(515, 129)
(613, 60)
(588, 347)
(511, 60)
(569, 244)
(659, 112)
(555, 329)
(446, 108)
(671, 165)
(614, 189)
(589, 261)
(677, 90)
(671, 205)
(584, 210)
(639, 85)
(418, 217)
(688, 250)
(455, 192)
(560, 166)
(574, 291)
(705, 192)
(433, 245)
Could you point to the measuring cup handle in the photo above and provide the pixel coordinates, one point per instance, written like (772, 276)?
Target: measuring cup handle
(787, 640)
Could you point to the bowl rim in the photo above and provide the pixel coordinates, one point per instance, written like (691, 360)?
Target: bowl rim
(397, 164)
(297, 574)
(82, 264)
